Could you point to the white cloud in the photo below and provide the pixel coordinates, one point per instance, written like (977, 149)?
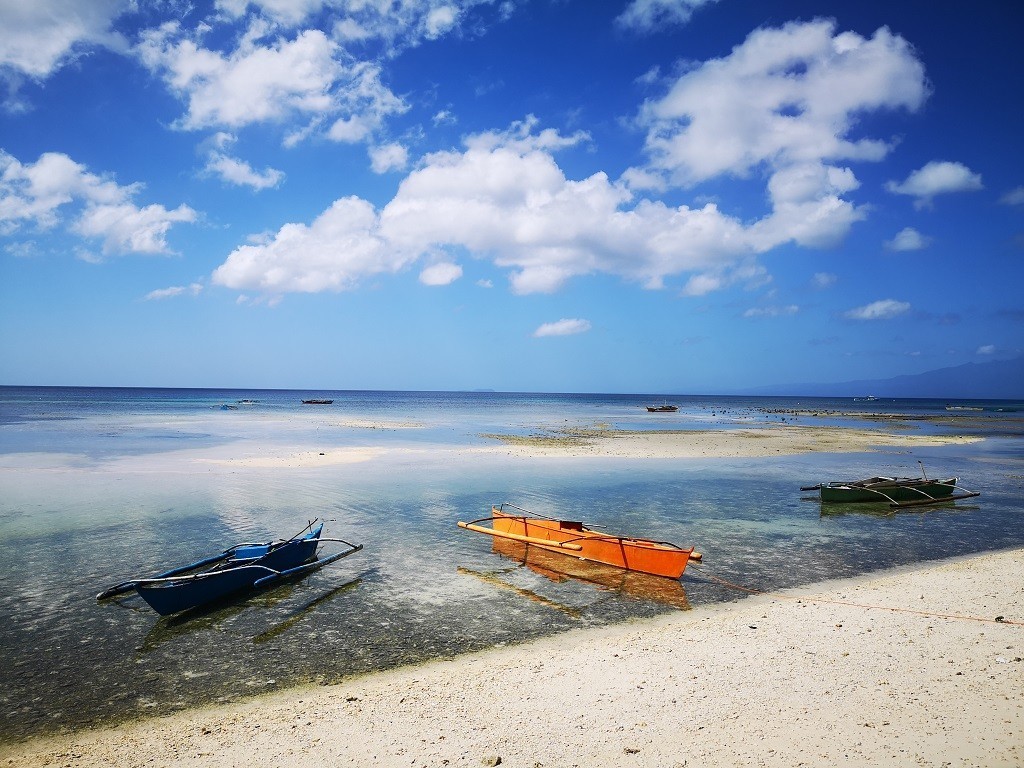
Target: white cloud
(986, 349)
(388, 157)
(40, 36)
(365, 103)
(268, 79)
(564, 327)
(193, 289)
(791, 309)
(936, 178)
(886, 309)
(125, 228)
(788, 96)
(786, 101)
(341, 246)
(255, 83)
(656, 15)
(290, 12)
(505, 199)
(440, 20)
(444, 273)
(444, 117)
(511, 202)
(822, 280)
(1013, 197)
(907, 239)
(36, 194)
(240, 173)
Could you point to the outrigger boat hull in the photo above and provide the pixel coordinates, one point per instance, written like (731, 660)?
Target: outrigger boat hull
(240, 568)
(574, 539)
(882, 489)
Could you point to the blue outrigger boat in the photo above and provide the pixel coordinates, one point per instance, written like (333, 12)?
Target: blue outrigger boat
(236, 569)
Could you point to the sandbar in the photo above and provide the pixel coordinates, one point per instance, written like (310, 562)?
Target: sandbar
(748, 442)
(915, 666)
(595, 443)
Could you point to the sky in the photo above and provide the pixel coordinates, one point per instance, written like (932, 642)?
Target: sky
(658, 196)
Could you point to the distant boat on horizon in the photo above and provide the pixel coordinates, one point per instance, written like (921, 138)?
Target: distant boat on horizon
(662, 408)
(316, 401)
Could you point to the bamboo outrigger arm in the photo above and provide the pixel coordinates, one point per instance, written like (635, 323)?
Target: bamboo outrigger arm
(934, 500)
(517, 537)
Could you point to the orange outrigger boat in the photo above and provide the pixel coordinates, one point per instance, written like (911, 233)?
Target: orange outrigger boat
(659, 558)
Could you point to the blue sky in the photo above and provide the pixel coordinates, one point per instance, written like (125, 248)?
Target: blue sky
(688, 196)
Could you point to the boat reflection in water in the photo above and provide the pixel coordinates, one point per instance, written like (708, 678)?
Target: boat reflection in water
(559, 567)
(830, 509)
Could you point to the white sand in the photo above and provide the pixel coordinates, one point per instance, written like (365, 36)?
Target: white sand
(818, 677)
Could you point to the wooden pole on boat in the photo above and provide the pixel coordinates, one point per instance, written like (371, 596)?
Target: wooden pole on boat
(517, 537)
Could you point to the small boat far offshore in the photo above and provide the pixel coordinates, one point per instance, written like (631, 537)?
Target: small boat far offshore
(662, 408)
(236, 569)
(317, 401)
(574, 539)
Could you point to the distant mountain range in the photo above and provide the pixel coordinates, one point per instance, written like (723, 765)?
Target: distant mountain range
(995, 380)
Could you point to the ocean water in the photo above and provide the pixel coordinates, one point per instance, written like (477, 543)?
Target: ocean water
(99, 485)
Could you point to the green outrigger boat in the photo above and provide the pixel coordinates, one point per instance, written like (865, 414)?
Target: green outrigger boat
(895, 491)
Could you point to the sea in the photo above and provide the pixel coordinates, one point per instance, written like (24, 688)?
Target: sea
(99, 485)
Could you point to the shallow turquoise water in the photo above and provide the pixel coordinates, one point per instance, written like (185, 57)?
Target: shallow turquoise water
(94, 488)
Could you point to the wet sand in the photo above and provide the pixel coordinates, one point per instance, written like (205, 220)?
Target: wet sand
(917, 666)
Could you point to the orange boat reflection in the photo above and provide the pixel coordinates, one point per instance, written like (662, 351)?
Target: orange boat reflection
(559, 568)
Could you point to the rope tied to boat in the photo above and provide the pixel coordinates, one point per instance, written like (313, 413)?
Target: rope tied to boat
(850, 603)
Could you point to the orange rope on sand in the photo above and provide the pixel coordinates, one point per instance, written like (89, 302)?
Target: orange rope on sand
(933, 614)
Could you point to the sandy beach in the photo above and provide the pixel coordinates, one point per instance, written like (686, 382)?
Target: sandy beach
(916, 666)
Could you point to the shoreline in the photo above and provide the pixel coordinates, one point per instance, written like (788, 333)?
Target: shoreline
(871, 670)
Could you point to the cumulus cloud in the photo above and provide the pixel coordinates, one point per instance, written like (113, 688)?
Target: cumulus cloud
(236, 171)
(269, 79)
(125, 228)
(785, 101)
(938, 177)
(654, 15)
(388, 157)
(509, 200)
(784, 97)
(886, 309)
(564, 327)
(288, 12)
(444, 273)
(392, 25)
(42, 35)
(907, 239)
(340, 247)
(505, 198)
(193, 289)
(986, 349)
(37, 194)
